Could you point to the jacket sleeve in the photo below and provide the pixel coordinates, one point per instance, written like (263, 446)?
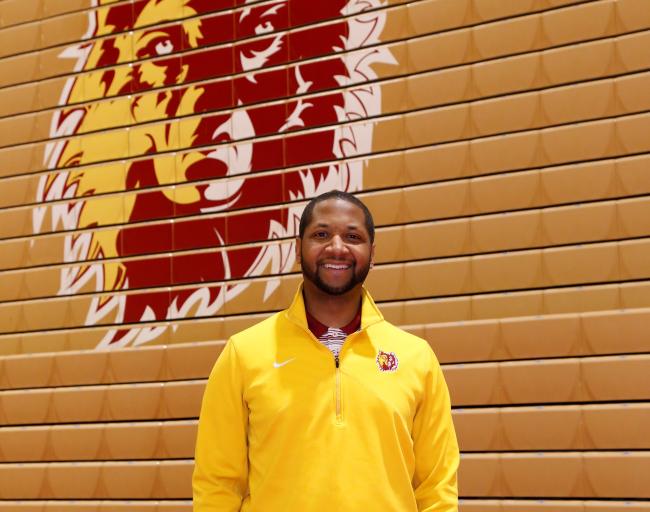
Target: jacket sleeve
(435, 446)
(220, 476)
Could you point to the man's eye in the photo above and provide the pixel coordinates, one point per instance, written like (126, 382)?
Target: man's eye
(320, 234)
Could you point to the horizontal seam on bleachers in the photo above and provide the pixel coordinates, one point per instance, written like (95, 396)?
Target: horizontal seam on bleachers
(28, 462)
(473, 407)
(541, 360)
(536, 453)
(100, 424)
(547, 404)
(91, 422)
(545, 358)
(555, 451)
(110, 385)
(108, 423)
(109, 501)
(587, 406)
(551, 499)
(152, 347)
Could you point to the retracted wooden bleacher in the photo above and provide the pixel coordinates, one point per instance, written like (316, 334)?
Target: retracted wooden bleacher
(100, 429)
(106, 431)
(510, 187)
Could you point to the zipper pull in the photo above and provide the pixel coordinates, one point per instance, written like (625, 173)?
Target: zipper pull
(336, 361)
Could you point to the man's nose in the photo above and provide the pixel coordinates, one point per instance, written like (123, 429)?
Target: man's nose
(336, 244)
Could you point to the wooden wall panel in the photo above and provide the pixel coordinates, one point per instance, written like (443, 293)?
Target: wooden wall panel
(503, 429)
(154, 161)
(95, 505)
(97, 480)
(106, 441)
(556, 475)
(549, 505)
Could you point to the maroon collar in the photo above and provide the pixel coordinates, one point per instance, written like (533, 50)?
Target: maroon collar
(318, 329)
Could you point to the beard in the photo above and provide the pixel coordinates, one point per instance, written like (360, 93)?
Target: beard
(358, 277)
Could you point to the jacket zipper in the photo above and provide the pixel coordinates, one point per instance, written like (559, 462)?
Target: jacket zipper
(337, 363)
(339, 418)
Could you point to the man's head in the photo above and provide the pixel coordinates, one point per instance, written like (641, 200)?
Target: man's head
(335, 247)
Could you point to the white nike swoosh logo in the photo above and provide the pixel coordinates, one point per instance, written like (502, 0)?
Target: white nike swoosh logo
(280, 365)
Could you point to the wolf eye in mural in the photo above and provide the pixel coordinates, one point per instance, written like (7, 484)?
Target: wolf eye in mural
(213, 101)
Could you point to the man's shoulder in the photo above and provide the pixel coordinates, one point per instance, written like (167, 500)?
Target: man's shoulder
(259, 332)
(265, 333)
(257, 345)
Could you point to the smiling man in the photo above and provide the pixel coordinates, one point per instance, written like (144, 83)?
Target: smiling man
(325, 405)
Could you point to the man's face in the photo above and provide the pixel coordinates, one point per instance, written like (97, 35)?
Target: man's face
(335, 251)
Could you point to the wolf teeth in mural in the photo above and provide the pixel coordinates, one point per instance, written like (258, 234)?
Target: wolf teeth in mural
(204, 124)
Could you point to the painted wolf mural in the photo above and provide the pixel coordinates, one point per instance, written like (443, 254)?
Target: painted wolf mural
(220, 150)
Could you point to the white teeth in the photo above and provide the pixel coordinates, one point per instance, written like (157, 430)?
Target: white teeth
(336, 267)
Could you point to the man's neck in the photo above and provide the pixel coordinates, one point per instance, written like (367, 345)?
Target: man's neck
(332, 310)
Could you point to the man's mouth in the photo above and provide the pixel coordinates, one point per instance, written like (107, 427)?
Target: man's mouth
(336, 266)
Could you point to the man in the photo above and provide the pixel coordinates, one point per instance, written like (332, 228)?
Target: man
(325, 405)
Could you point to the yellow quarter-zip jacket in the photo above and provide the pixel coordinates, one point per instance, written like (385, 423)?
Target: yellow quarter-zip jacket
(285, 427)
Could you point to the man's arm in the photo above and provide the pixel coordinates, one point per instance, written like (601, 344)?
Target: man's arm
(220, 476)
(435, 446)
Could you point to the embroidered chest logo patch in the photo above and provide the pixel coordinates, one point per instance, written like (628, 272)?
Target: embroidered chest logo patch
(387, 361)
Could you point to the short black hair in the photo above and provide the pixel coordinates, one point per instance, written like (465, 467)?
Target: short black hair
(308, 212)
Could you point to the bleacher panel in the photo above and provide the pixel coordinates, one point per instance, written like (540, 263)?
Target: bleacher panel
(502, 147)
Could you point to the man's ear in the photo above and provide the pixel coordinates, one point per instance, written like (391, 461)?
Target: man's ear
(298, 248)
(372, 255)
